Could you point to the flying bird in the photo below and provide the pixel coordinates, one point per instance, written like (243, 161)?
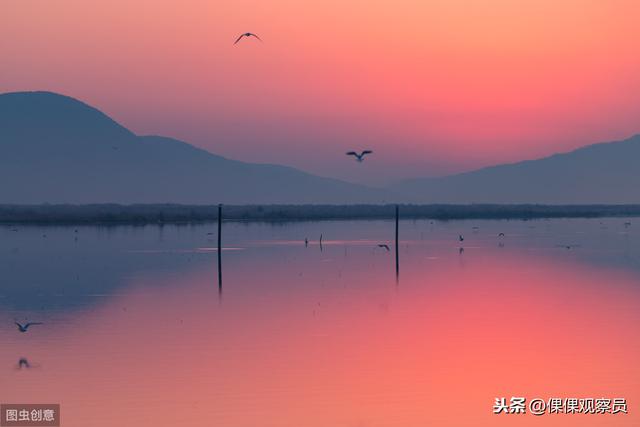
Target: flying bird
(359, 157)
(246, 35)
(23, 328)
(382, 245)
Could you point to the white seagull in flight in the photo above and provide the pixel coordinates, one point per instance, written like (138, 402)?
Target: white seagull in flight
(246, 35)
(359, 157)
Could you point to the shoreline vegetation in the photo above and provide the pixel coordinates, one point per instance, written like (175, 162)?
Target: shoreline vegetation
(175, 214)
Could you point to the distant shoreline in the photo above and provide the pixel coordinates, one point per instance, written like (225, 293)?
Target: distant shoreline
(190, 214)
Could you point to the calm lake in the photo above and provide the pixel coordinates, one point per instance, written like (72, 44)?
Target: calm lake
(136, 333)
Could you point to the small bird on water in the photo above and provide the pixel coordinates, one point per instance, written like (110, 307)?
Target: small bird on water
(25, 327)
(23, 363)
(359, 157)
(571, 246)
(382, 245)
(246, 35)
(461, 238)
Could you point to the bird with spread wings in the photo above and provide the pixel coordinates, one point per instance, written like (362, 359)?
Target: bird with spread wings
(246, 35)
(359, 157)
(25, 327)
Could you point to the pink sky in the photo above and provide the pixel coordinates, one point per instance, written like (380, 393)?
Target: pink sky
(432, 87)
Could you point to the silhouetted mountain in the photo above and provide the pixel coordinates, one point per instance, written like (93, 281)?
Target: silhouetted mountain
(599, 173)
(56, 149)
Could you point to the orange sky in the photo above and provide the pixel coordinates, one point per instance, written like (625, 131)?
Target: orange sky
(431, 86)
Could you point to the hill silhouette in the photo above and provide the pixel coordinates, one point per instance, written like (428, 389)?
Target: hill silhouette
(604, 173)
(56, 149)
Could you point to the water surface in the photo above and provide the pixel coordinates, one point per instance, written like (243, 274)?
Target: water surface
(136, 332)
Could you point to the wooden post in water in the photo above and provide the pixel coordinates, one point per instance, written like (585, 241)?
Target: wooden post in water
(220, 247)
(397, 253)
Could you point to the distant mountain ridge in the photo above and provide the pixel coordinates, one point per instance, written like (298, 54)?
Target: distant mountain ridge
(56, 149)
(603, 173)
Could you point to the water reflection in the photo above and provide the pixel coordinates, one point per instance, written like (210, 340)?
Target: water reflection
(311, 338)
(23, 363)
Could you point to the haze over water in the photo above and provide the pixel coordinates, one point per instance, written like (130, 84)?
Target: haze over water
(136, 333)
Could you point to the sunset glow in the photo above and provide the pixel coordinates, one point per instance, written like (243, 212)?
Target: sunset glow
(432, 86)
(308, 338)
